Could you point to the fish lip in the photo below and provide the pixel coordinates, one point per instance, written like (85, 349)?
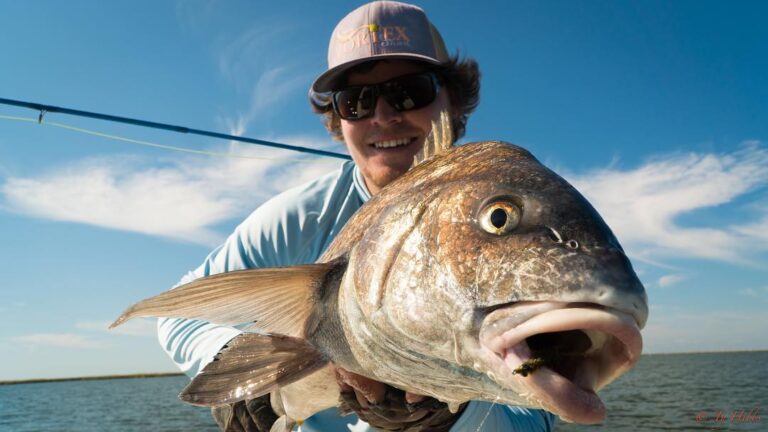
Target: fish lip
(558, 316)
(553, 391)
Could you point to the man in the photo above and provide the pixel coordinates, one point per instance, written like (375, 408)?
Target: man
(389, 78)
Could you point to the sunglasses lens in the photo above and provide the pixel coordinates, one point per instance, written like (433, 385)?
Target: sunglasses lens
(404, 93)
(355, 102)
(411, 92)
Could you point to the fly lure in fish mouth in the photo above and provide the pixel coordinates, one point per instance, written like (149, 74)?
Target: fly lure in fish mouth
(546, 357)
(530, 366)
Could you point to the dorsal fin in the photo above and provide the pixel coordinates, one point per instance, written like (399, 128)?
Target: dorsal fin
(438, 141)
(277, 300)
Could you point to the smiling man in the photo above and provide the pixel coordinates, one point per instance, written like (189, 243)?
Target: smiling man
(384, 142)
(389, 78)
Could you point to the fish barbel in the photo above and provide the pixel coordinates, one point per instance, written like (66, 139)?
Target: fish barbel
(470, 266)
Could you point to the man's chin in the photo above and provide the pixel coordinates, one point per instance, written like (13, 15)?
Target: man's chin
(380, 177)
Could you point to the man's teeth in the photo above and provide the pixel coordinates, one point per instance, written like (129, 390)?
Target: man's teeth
(392, 143)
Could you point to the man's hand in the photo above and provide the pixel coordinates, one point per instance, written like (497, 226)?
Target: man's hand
(367, 390)
(376, 403)
(251, 415)
(388, 408)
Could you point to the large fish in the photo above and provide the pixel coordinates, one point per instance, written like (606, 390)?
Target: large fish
(480, 274)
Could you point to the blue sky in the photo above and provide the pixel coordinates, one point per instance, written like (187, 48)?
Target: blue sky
(655, 110)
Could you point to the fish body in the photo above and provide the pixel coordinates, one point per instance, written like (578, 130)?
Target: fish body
(468, 267)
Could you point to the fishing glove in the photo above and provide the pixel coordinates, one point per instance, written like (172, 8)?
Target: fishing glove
(250, 415)
(394, 413)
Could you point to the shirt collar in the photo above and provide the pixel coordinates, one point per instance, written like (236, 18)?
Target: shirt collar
(360, 187)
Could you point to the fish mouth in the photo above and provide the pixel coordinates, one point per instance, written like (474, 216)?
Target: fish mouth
(562, 353)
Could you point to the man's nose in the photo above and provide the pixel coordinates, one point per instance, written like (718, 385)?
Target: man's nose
(385, 114)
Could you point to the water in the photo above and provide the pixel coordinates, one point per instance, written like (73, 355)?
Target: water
(669, 391)
(664, 392)
(118, 405)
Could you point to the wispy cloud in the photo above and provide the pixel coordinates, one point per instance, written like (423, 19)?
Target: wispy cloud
(263, 69)
(191, 14)
(758, 293)
(253, 59)
(756, 231)
(643, 205)
(272, 88)
(251, 51)
(137, 327)
(185, 198)
(6, 306)
(58, 340)
(182, 199)
(669, 280)
(92, 336)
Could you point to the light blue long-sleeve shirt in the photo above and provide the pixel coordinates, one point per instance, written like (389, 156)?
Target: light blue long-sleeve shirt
(295, 227)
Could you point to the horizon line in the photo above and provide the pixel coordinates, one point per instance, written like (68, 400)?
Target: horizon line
(168, 374)
(92, 378)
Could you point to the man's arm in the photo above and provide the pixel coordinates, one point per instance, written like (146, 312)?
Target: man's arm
(192, 344)
(291, 228)
(270, 237)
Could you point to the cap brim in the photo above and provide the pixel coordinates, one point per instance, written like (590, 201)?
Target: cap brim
(326, 81)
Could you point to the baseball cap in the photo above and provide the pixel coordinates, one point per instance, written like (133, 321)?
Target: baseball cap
(381, 30)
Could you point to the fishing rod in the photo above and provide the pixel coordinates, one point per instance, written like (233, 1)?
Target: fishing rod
(43, 109)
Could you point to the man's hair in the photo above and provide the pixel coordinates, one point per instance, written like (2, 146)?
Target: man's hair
(460, 77)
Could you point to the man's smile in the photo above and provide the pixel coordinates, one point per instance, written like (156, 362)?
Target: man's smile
(392, 143)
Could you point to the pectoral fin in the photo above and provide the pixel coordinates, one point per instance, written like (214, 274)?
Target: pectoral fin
(283, 424)
(252, 365)
(277, 300)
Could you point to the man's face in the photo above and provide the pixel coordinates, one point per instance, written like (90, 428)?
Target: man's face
(381, 165)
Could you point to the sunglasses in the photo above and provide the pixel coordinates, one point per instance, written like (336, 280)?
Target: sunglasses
(403, 93)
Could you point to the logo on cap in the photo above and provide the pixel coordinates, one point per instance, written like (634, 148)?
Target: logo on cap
(374, 34)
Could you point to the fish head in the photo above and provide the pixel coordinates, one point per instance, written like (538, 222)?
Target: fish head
(482, 260)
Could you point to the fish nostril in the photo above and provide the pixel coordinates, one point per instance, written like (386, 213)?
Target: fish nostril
(572, 244)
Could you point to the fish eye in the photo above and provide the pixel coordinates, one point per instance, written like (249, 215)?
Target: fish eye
(500, 217)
